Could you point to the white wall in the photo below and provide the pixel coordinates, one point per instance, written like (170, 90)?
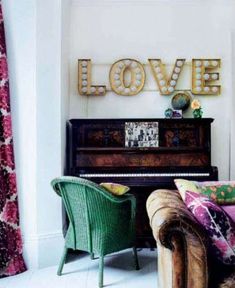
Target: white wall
(232, 114)
(106, 31)
(49, 145)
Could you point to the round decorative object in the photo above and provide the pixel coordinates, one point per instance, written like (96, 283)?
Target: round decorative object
(198, 70)
(179, 63)
(138, 76)
(214, 63)
(159, 76)
(168, 113)
(215, 89)
(101, 89)
(120, 88)
(198, 83)
(175, 76)
(162, 82)
(127, 62)
(118, 83)
(158, 70)
(170, 89)
(206, 76)
(116, 76)
(214, 76)
(172, 82)
(199, 89)
(197, 113)
(121, 65)
(198, 63)
(133, 64)
(181, 101)
(206, 63)
(92, 89)
(84, 63)
(177, 70)
(206, 89)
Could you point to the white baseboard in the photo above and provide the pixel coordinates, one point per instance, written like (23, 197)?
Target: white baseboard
(30, 251)
(50, 248)
(43, 250)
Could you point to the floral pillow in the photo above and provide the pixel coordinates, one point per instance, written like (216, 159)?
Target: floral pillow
(223, 192)
(115, 188)
(219, 226)
(186, 185)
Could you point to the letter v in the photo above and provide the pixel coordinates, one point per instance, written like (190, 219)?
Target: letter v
(166, 84)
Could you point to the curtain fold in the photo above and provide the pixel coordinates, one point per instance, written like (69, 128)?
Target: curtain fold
(11, 259)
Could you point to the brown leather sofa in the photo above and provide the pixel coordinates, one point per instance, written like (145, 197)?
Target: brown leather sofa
(184, 260)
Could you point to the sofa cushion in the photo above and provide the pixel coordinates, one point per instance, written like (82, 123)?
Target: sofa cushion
(223, 192)
(219, 226)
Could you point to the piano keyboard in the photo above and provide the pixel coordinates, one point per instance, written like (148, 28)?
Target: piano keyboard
(102, 175)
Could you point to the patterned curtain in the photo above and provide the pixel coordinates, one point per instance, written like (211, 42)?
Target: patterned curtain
(11, 260)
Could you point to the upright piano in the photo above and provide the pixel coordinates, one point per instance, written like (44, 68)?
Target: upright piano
(144, 154)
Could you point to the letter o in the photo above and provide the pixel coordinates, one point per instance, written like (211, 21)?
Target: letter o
(118, 81)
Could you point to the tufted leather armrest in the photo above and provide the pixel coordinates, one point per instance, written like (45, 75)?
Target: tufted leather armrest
(176, 230)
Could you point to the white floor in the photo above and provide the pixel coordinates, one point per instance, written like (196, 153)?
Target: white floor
(82, 272)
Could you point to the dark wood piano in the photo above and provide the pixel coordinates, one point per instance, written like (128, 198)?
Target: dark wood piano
(107, 150)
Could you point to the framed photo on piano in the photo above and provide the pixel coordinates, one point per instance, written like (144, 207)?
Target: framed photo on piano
(141, 134)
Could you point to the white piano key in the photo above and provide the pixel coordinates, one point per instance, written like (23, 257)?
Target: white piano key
(102, 175)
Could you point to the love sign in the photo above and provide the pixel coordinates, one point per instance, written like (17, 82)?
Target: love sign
(127, 77)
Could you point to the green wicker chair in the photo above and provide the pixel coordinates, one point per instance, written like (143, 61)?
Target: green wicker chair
(99, 222)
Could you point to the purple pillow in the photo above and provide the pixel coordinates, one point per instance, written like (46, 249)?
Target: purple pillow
(219, 226)
(230, 210)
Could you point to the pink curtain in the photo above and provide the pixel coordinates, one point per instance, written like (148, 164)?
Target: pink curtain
(11, 260)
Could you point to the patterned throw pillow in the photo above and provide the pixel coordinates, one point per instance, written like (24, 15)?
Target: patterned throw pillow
(115, 188)
(223, 192)
(186, 185)
(219, 226)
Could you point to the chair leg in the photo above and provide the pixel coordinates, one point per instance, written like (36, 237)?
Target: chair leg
(137, 267)
(61, 265)
(92, 255)
(101, 271)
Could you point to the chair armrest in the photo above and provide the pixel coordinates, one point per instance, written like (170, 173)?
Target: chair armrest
(175, 228)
